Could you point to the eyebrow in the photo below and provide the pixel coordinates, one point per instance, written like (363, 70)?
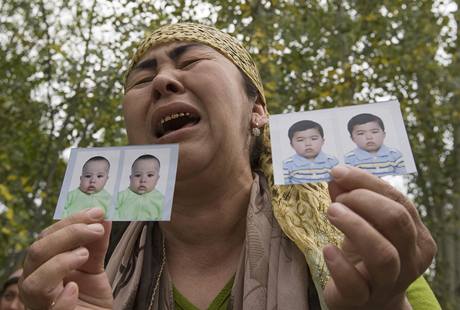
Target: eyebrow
(174, 54)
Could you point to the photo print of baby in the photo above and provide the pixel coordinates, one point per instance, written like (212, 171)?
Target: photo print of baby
(307, 145)
(131, 183)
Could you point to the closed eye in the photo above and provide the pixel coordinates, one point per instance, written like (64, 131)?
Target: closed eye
(188, 63)
(143, 81)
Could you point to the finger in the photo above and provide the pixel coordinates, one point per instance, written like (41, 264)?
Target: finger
(347, 287)
(389, 217)
(97, 250)
(347, 178)
(87, 216)
(379, 255)
(426, 249)
(350, 178)
(68, 298)
(42, 287)
(65, 239)
(335, 189)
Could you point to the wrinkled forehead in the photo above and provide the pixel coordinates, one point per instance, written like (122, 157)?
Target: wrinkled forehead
(206, 35)
(173, 51)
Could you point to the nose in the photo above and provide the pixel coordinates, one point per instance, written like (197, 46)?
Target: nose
(165, 84)
(16, 304)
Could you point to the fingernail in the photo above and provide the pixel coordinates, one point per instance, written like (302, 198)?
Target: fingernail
(329, 253)
(96, 227)
(81, 252)
(339, 171)
(96, 213)
(336, 210)
(72, 288)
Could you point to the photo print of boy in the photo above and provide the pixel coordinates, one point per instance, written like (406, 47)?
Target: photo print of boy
(141, 201)
(309, 164)
(90, 193)
(367, 131)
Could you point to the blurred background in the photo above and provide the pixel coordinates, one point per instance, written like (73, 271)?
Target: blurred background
(62, 64)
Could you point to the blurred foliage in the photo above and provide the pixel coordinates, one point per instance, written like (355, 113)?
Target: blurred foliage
(62, 65)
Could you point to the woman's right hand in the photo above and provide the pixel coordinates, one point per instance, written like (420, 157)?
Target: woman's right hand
(64, 267)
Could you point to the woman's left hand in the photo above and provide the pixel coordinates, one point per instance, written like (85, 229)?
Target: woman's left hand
(386, 245)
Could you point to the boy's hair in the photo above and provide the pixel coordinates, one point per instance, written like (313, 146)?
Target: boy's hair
(304, 125)
(96, 158)
(9, 282)
(145, 156)
(364, 118)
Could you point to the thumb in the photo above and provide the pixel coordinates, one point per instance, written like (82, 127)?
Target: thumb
(335, 190)
(340, 180)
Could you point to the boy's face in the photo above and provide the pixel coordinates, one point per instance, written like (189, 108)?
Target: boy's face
(307, 143)
(10, 298)
(368, 136)
(94, 176)
(144, 176)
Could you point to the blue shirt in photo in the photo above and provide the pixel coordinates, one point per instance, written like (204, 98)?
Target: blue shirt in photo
(297, 169)
(385, 162)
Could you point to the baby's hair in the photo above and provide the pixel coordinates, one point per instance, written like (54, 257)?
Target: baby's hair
(145, 156)
(364, 118)
(96, 158)
(304, 125)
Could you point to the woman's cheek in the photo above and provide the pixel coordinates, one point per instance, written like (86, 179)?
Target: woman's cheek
(136, 118)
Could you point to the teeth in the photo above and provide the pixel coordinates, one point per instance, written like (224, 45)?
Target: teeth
(174, 116)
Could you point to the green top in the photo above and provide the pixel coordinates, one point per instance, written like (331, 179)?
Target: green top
(139, 207)
(77, 201)
(219, 303)
(421, 297)
(419, 294)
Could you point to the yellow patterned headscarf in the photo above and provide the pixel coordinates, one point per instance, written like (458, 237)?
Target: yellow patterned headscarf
(299, 209)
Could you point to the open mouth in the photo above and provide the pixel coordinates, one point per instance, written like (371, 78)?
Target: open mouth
(175, 121)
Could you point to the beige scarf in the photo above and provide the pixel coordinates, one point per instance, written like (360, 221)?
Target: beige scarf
(272, 272)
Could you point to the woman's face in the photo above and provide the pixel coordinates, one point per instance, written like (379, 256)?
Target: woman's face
(190, 94)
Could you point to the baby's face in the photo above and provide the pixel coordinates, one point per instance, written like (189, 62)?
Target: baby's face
(368, 136)
(144, 176)
(307, 143)
(94, 177)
